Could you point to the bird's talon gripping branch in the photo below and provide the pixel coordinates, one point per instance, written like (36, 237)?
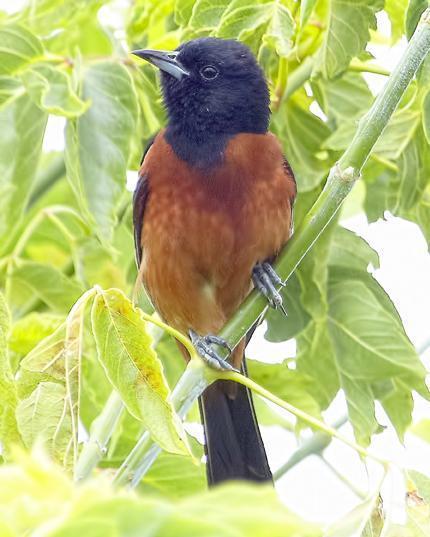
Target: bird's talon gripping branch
(265, 280)
(210, 355)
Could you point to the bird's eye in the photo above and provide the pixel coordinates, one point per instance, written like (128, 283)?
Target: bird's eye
(209, 72)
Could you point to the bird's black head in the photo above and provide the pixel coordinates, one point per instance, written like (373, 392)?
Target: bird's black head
(213, 89)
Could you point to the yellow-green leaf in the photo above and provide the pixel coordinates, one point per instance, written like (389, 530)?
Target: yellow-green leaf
(348, 25)
(8, 397)
(126, 353)
(98, 144)
(22, 125)
(43, 417)
(51, 89)
(18, 47)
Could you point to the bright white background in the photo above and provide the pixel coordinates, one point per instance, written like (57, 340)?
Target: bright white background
(311, 488)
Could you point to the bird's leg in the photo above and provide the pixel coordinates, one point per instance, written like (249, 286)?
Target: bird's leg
(203, 345)
(266, 280)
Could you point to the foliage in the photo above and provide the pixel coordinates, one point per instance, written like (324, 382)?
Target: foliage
(65, 227)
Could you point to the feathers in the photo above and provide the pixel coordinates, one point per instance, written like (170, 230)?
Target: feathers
(201, 232)
(208, 229)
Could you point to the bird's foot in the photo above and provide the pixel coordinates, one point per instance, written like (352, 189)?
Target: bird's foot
(203, 345)
(266, 280)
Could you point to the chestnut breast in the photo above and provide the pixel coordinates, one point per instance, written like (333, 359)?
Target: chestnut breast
(204, 230)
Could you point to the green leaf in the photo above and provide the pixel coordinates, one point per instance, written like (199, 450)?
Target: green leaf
(316, 359)
(28, 331)
(426, 116)
(396, 10)
(303, 135)
(173, 477)
(206, 14)
(47, 357)
(288, 384)
(10, 89)
(312, 275)
(344, 98)
(18, 47)
(399, 132)
(43, 417)
(73, 350)
(46, 283)
(125, 351)
(413, 176)
(54, 506)
(397, 401)
(8, 397)
(238, 510)
(183, 10)
(361, 345)
(306, 8)
(422, 429)
(350, 251)
(354, 522)
(413, 14)
(96, 164)
(50, 88)
(280, 30)
(370, 345)
(270, 19)
(281, 327)
(46, 487)
(422, 484)
(68, 27)
(348, 25)
(58, 357)
(22, 125)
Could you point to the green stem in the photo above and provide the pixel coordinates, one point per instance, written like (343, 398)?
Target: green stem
(298, 77)
(307, 418)
(362, 67)
(190, 386)
(303, 73)
(101, 431)
(340, 181)
(358, 492)
(387, 163)
(315, 445)
(282, 80)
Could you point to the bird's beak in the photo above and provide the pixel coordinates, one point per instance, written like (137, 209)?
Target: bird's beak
(164, 60)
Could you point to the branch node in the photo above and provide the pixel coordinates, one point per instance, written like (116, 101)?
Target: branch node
(348, 175)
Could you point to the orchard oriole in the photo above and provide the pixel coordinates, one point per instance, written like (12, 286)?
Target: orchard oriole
(212, 207)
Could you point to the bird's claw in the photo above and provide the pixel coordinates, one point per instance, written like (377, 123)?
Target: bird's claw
(203, 345)
(266, 280)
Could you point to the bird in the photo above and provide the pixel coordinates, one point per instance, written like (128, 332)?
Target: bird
(212, 209)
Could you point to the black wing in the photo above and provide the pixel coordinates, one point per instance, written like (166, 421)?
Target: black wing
(140, 197)
(289, 172)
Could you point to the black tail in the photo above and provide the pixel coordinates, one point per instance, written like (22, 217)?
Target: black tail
(234, 448)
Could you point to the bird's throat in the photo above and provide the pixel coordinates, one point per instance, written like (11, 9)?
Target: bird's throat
(198, 149)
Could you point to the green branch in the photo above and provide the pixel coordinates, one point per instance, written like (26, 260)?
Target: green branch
(341, 179)
(304, 416)
(303, 73)
(101, 432)
(315, 445)
(193, 382)
(356, 490)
